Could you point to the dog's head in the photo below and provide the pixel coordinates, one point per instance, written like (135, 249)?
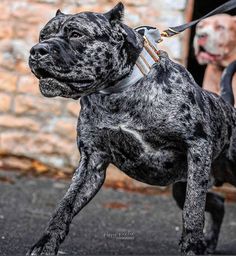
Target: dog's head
(82, 53)
(215, 39)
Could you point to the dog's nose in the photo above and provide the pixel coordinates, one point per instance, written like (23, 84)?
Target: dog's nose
(202, 35)
(39, 50)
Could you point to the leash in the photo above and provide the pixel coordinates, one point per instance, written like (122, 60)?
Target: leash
(150, 52)
(178, 29)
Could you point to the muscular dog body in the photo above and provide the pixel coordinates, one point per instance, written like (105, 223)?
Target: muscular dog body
(161, 130)
(215, 45)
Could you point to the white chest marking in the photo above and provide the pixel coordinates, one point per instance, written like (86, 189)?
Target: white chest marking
(137, 136)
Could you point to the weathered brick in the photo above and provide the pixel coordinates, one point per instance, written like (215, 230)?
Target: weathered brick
(177, 4)
(20, 52)
(73, 108)
(7, 60)
(22, 67)
(132, 18)
(4, 10)
(87, 2)
(14, 55)
(25, 104)
(25, 31)
(16, 163)
(66, 127)
(6, 30)
(92, 8)
(48, 1)
(5, 102)
(34, 145)
(54, 161)
(136, 2)
(55, 144)
(10, 121)
(28, 84)
(31, 18)
(7, 81)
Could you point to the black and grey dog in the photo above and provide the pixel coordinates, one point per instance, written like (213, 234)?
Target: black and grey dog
(223, 170)
(163, 129)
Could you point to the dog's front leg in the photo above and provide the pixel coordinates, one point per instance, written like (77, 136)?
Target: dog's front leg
(199, 166)
(86, 182)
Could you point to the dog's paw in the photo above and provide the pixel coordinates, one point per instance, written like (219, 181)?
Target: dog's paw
(190, 246)
(211, 242)
(47, 245)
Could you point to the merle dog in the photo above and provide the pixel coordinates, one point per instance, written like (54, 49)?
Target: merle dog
(163, 129)
(223, 170)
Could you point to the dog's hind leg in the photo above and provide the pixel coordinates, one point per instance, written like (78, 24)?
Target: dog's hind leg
(214, 205)
(86, 182)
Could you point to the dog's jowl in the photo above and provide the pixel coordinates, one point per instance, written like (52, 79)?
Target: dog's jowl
(161, 130)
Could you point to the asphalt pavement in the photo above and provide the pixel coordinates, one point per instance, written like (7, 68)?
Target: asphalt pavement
(115, 222)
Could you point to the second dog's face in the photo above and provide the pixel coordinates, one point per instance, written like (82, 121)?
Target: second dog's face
(215, 39)
(82, 53)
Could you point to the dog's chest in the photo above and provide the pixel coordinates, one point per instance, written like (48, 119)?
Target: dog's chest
(130, 142)
(137, 143)
(144, 155)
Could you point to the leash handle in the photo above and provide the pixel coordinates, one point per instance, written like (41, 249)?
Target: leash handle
(171, 31)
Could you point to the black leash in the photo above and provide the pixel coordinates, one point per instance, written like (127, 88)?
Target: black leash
(221, 9)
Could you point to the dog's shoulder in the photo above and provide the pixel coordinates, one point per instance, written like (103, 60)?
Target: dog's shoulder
(176, 81)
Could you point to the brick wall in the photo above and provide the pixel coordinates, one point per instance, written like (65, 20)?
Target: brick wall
(37, 132)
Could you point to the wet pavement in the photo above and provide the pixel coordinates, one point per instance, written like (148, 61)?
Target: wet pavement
(115, 222)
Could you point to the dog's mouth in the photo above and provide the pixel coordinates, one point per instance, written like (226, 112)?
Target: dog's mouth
(203, 55)
(52, 85)
(41, 73)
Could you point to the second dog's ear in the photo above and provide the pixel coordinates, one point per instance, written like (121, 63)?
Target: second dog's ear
(115, 14)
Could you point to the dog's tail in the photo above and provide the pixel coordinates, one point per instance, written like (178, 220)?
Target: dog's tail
(226, 83)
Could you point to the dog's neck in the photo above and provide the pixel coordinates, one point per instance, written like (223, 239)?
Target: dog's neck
(229, 59)
(144, 62)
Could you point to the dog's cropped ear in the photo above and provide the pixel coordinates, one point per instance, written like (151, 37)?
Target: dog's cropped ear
(59, 12)
(115, 14)
(132, 37)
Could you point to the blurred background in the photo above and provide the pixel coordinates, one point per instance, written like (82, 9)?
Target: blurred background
(37, 134)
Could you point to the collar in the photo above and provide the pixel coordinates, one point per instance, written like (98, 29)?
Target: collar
(146, 59)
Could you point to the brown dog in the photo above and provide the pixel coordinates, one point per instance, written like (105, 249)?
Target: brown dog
(215, 45)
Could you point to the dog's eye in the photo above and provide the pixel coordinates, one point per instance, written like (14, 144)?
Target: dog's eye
(75, 35)
(220, 27)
